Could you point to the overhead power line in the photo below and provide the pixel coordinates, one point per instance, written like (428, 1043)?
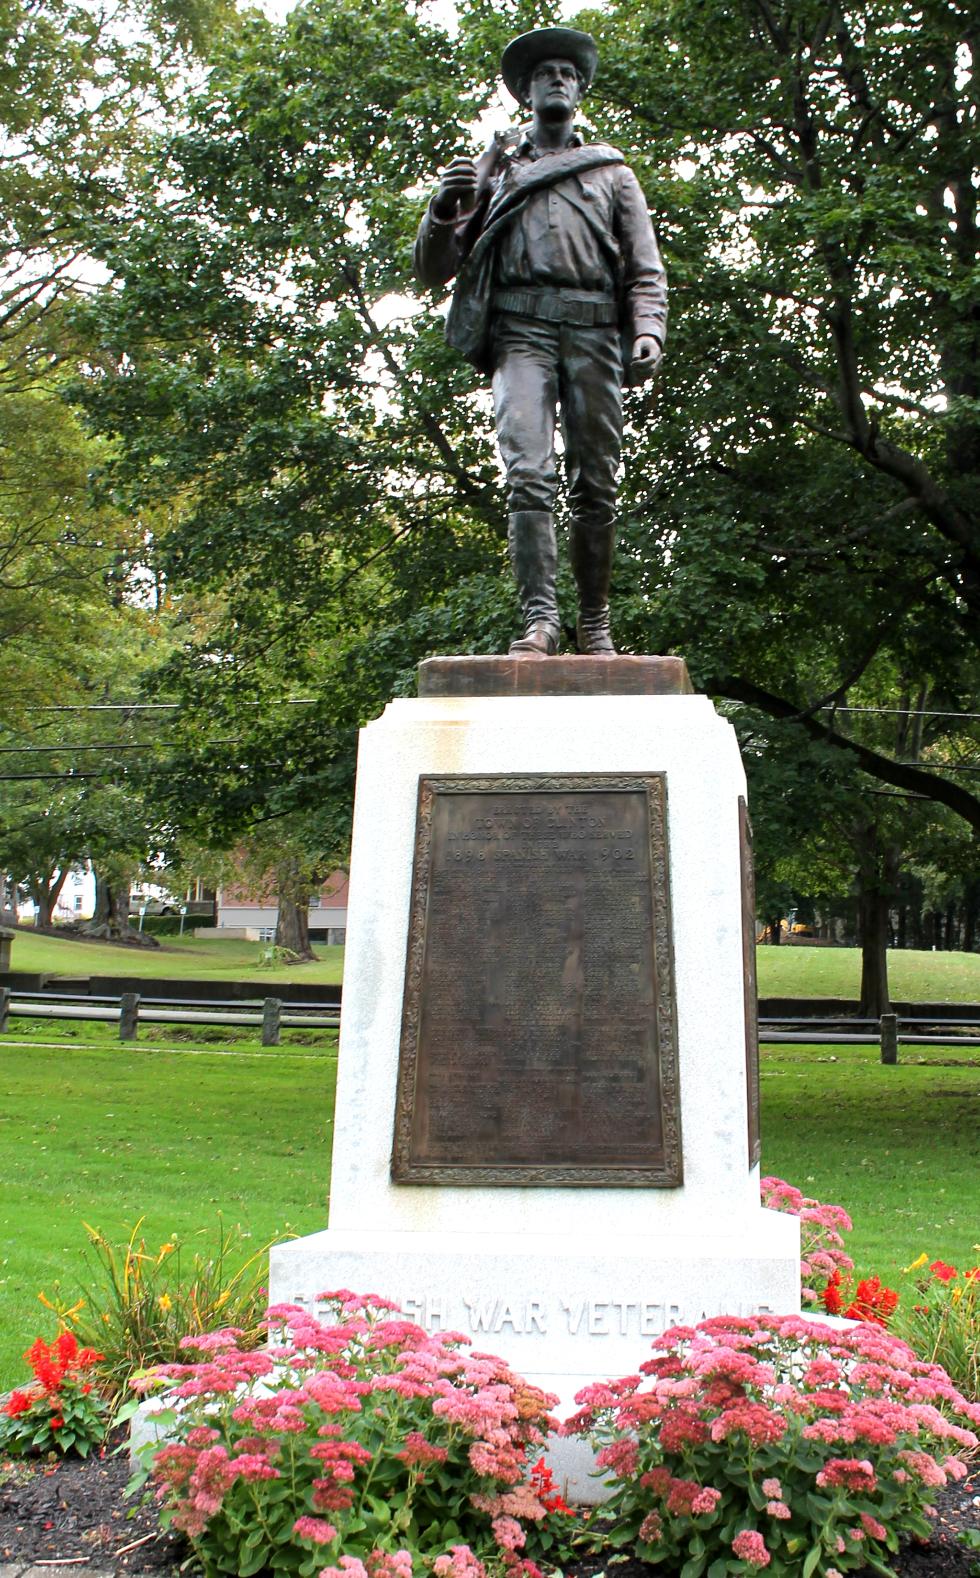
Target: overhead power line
(159, 706)
(19, 778)
(105, 745)
(884, 712)
(901, 712)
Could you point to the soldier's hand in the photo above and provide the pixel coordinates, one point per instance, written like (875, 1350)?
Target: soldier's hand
(457, 189)
(647, 354)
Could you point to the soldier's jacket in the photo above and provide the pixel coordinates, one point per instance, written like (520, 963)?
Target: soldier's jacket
(575, 219)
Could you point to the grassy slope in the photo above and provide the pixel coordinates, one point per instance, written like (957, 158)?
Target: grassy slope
(176, 956)
(783, 971)
(836, 972)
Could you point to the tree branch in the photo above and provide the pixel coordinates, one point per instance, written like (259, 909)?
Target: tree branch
(900, 774)
(474, 490)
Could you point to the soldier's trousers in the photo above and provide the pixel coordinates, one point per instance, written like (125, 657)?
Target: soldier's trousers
(537, 366)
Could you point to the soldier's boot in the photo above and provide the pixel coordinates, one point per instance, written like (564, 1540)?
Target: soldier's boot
(591, 552)
(534, 558)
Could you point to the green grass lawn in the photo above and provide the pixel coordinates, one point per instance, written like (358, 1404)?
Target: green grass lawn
(836, 972)
(783, 971)
(107, 1133)
(898, 1148)
(186, 1124)
(181, 957)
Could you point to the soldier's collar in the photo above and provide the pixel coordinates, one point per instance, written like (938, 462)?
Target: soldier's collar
(528, 148)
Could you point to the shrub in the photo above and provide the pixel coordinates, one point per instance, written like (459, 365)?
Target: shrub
(365, 1445)
(941, 1320)
(773, 1442)
(164, 925)
(60, 1410)
(140, 1303)
(822, 1249)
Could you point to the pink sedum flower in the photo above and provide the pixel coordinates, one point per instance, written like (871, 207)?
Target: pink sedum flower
(316, 1529)
(750, 1547)
(705, 1501)
(460, 1563)
(651, 1528)
(347, 1567)
(508, 1534)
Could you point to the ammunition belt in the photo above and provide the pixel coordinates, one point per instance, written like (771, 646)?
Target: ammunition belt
(588, 309)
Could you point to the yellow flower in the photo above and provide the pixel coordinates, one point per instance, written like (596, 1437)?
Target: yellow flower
(922, 1261)
(165, 1301)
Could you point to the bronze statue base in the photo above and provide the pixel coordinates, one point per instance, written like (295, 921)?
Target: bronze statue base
(618, 675)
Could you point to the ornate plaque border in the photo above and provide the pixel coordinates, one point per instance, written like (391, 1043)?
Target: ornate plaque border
(749, 981)
(667, 1174)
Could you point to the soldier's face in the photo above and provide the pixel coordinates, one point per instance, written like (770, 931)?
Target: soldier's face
(554, 89)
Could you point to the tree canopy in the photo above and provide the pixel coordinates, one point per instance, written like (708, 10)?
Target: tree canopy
(799, 512)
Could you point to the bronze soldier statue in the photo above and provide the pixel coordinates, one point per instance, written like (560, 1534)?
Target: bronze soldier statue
(561, 297)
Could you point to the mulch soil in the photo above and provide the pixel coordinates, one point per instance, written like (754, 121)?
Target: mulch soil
(75, 1510)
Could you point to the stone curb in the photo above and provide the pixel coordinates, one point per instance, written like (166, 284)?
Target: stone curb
(69, 1570)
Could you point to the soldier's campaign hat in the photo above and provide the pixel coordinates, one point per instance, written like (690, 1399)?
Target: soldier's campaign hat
(547, 43)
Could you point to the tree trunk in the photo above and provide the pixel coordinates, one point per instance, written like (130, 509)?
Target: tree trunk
(775, 929)
(873, 920)
(970, 912)
(875, 883)
(110, 921)
(293, 929)
(8, 901)
(45, 893)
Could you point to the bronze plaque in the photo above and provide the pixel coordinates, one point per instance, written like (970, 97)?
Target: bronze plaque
(749, 981)
(538, 1035)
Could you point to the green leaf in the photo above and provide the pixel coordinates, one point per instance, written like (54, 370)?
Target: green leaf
(811, 1560)
(251, 1562)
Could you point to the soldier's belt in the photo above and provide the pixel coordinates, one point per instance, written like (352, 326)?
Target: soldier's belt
(587, 309)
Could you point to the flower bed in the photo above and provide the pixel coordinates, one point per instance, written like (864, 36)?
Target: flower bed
(774, 1443)
(362, 1447)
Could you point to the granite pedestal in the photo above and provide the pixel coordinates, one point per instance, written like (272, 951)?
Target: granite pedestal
(568, 1271)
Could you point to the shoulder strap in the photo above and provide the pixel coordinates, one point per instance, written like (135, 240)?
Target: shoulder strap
(524, 182)
(512, 197)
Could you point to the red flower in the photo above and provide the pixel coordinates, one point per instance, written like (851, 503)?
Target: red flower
(547, 1492)
(17, 1403)
(871, 1302)
(943, 1272)
(832, 1301)
(67, 1345)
